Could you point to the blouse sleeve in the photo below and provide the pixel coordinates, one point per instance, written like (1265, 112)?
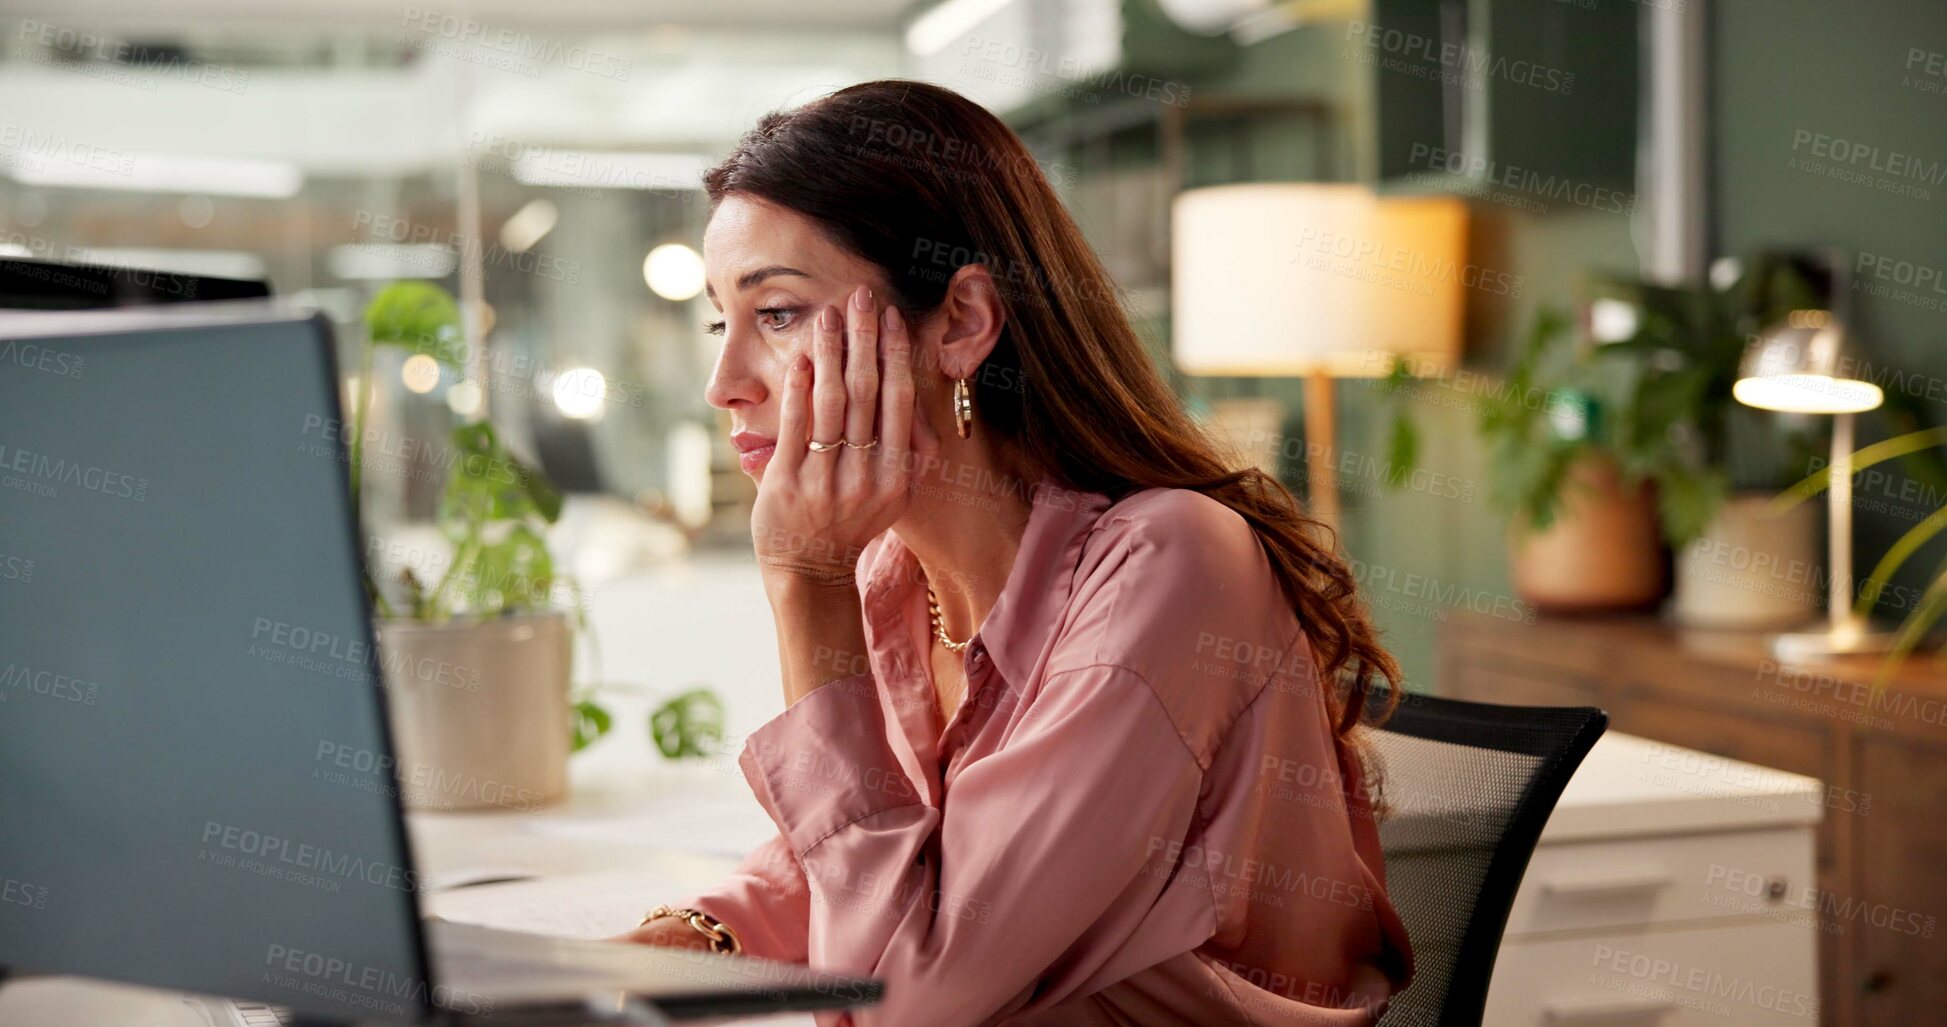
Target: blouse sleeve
(765, 902)
(1010, 896)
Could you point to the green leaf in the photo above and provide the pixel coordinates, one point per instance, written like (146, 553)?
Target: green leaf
(1686, 501)
(1932, 607)
(688, 725)
(1896, 555)
(490, 473)
(1402, 448)
(1398, 378)
(495, 511)
(591, 723)
(515, 573)
(420, 317)
(1817, 482)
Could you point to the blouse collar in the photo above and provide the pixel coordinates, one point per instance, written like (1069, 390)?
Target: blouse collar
(1038, 586)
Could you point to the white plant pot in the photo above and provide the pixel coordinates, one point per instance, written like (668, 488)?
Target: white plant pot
(1752, 569)
(479, 710)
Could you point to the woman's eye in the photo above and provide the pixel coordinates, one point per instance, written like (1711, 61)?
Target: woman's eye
(776, 319)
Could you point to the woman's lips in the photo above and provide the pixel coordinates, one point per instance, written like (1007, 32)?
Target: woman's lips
(753, 450)
(754, 459)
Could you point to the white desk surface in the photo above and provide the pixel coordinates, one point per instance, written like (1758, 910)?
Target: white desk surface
(1634, 786)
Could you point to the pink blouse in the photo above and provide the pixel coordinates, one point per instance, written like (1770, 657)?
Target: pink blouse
(1138, 815)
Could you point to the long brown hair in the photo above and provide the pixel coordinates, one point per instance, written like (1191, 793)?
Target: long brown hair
(921, 181)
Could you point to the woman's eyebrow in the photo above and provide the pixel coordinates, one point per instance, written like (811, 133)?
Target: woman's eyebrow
(750, 278)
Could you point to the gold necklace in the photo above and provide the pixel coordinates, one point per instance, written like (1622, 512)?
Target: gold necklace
(939, 624)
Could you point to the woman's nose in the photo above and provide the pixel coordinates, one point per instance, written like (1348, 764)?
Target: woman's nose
(732, 381)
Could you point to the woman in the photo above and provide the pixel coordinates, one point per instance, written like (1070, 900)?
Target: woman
(1055, 747)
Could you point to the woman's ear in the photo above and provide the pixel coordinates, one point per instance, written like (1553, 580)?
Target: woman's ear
(971, 319)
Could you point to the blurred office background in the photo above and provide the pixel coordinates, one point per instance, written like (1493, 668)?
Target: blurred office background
(333, 147)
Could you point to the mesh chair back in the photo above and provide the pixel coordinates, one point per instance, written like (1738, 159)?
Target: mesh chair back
(1466, 788)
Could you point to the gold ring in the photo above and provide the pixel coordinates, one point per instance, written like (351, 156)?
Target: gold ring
(868, 445)
(820, 447)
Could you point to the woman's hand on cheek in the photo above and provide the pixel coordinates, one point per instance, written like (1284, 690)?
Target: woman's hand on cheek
(816, 510)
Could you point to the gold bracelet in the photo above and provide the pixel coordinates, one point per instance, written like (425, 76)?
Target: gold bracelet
(722, 939)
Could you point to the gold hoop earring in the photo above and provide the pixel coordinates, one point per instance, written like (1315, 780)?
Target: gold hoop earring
(962, 407)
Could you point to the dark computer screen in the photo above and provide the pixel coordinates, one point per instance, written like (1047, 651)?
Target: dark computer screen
(185, 653)
(48, 285)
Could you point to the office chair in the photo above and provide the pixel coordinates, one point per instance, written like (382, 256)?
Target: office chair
(1465, 789)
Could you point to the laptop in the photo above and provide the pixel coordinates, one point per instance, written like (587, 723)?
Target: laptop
(172, 479)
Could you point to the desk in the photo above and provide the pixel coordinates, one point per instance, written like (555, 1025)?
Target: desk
(1882, 756)
(1670, 887)
(639, 830)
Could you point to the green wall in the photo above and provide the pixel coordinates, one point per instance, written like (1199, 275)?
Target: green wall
(1800, 84)
(1423, 553)
(1777, 68)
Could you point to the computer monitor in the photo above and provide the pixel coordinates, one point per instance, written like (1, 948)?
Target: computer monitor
(185, 650)
(50, 285)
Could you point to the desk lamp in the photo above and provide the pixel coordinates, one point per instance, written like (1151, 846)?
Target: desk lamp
(1803, 365)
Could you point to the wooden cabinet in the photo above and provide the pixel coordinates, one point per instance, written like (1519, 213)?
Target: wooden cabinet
(1900, 953)
(1768, 741)
(1881, 886)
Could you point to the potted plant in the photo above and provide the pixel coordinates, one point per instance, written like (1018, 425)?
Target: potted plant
(478, 656)
(1582, 510)
(1741, 561)
(1582, 513)
(1603, 454)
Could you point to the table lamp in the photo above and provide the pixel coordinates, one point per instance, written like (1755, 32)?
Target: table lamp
(1319, 281)
(1802, 365)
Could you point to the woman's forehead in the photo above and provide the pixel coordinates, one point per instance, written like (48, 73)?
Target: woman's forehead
(746, 234)
(746, 227)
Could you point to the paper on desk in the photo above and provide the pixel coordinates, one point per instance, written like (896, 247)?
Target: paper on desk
(589, 906)
(596, 905)
(704, 824)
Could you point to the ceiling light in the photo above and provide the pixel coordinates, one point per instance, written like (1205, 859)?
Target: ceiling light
(943, 23)
(420, 373)
(528, 225)
(592, 169)
(157, 173)
(578, 393)
(673, 271)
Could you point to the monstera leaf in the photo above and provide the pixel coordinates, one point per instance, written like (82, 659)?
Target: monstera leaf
(420, 317)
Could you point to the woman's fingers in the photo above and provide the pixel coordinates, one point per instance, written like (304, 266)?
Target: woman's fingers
(895, 400)
(855, 466)
(861, 368)
(794, 421)
(827, 398)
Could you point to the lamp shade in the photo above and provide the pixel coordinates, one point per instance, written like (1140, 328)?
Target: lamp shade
(1804, 364)
(1299, 279)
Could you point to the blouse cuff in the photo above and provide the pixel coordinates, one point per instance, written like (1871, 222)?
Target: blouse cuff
(825, 762)
(747, 908)
(765, 902)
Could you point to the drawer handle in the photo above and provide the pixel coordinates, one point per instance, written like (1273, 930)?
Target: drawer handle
(1595, 886)
(1607, 1011)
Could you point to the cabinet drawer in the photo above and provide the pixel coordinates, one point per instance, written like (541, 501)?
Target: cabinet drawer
(1604, 884)
(1749, 973)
